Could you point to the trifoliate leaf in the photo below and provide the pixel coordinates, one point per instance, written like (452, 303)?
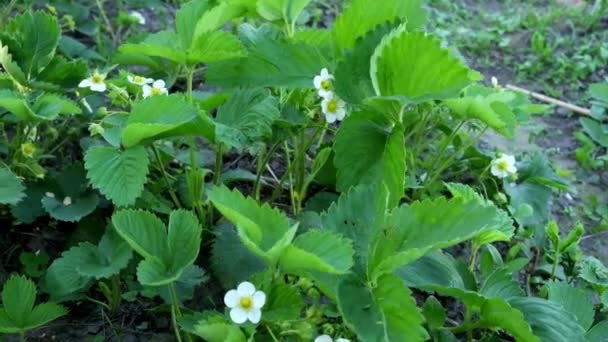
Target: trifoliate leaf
(62, 279)
(16, 105)
(119, 175)
(184, 238)
(358, 18)
(386, 312)
(415, 68)
(44, 313)
(370, 150)
(264, 230)
(594, 272)
(18, 297)
(288, 10)
(497, 312)
(159, 117)
(11, 187)
(597, 332)
(164, 44)
(284, 303)
(320, 251)
(11, 67)
(214, 18)
(186, 18)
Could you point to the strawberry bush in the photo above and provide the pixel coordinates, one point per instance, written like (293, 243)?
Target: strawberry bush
(311, 183)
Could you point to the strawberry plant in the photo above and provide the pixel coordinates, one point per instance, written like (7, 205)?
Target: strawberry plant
(258, 176)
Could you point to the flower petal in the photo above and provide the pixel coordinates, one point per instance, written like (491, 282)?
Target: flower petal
(254, 315)
(325, 93)
(245, 289)
(100, 87)
(159, 84)
(324, 73)
(85, 83)
(340, 114)
(330, 118)
(231, 299)
(259, 299)
(147, 90)
(238, 315)
(317, 82)
(324, 338)
(342, 340)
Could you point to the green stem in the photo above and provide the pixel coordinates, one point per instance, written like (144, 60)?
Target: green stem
(189, 80)
(176, 312)
(22, 336)
(554, 267)
(274, 338)
(219, 160)
(7, 11)
(164, 173)
(263, 159)
(106, 20)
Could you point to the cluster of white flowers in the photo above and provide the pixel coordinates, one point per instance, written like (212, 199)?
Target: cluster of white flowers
(96, 82)
(333, 107)
(503, 166)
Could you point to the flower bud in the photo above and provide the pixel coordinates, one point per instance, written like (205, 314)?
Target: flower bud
(96, 129)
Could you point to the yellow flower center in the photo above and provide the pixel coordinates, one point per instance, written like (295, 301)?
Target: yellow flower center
(97, 78)
(138, 79)
(155, 91)
(326, 85)
(332, 106)
(503, 165)
(246, 303)
(28, 149)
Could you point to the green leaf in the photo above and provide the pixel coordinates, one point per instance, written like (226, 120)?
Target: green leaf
(415, 68)
(504, 229)
(497, 312)
(44, 313)
(594, 272)
(164, 44)
(231, 261)
(108, 258)
(38, 36)
(353, 81)
(119, 175)
(434, 313)
(18, 297)
(159, 117)
(60, 104)
(184, 238)
(288, 10)
(370, 149)
(270, 62)
(215, 328)
(597, 332)
(357, 19)
(78, 208)
(6, 325)
(63, 73)
(319, 250)
(576, 301)
(595, 130)
(424, 226)
(62, 279)
(10, 66)
(186, 20)
(491, 110)
(143, 231)
(549, 321)
(246, 118)
(215, 46)
(11, 187)
(264, 230)
(386, 312)
(284, 303)
(358, 215)
(16, 104)
(214, 18)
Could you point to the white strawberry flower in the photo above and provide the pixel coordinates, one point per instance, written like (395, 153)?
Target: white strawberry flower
(324, 83)
(139, 80)
(334, 108)
(245, 303)
(157, 88)
(503, 166)
(138, 16)
(327, 338)
(95, 82)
